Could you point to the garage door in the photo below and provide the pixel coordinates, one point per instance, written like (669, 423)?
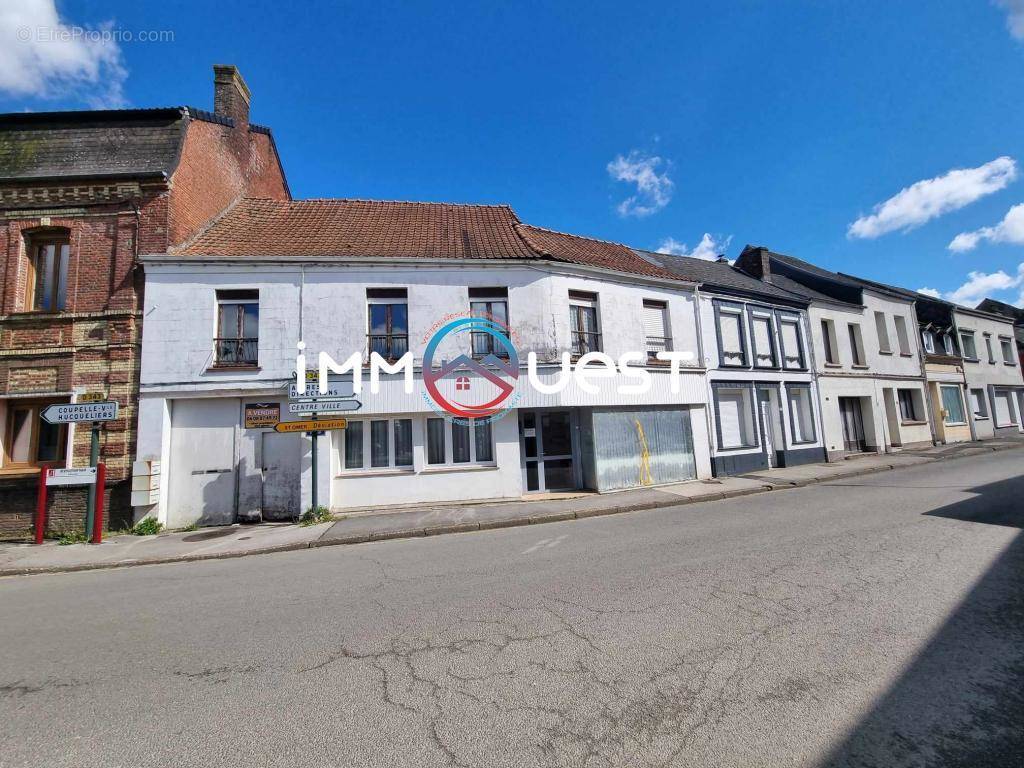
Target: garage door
(202, 471)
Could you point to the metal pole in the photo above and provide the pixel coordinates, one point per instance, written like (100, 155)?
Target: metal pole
(41, 505)
(314, 499)
(94, 456)
(101, 483)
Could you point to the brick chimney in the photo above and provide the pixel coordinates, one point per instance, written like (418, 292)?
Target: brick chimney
(756, 260)
(231, 95)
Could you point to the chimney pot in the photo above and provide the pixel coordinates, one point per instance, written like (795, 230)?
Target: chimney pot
(230, 94)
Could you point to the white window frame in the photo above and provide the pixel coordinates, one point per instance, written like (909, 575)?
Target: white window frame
(367, 467)
(784, 353)
(1006, 348)
(661, 343)
(734, 311)
(963, 406)
(916, 405)
(967, 334)
(805, 389)
(749, 415)
(449, 447)
(765, 316)
(928, 340)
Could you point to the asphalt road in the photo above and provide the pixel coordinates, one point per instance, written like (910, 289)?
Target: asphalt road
(871, 622)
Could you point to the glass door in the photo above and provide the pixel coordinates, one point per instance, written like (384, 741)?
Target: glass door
(547, 445)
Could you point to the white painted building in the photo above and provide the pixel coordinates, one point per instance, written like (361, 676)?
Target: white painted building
(763, 394)
(866, 354)
(223, 316)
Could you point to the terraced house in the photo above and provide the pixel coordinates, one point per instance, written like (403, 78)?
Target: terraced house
(866, 355)
(82, 194)
(351, 276)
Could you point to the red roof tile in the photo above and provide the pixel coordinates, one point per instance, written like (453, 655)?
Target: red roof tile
(257, 227)
(584, 250)
(314, 229)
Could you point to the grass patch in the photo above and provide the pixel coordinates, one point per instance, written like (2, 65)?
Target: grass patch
(71, 537)
(147, 526)
(193, 526)
(315, 516)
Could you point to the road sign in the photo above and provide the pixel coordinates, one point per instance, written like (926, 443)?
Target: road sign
(82, 476)
(335, 390)
(65, 413)
(324, 406)
(310, 426)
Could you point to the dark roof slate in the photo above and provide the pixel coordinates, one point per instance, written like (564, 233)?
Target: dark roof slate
(721, 276)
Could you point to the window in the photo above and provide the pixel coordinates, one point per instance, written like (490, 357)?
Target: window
(730, 335)
(762, 339)
(387, 322)
(586, 333)
(48, 273)
(883, 334)
(386, 442)
(928, 339)
(656, 332)
(909, 404)
(734, 409)
(947, 344)
(792, 349)
(828, 338)
(978, 404)
(1006, 347)
(28, 440)
(902, 338)
(952, 405)
(238, 328)
(988, 348)
(801, 413)
(470, 443)
(490, 304)
(856, 345)
(1002, 400)
(967, 344)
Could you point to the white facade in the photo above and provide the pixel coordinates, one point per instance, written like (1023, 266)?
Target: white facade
(215, 469)
(991, 368)
(763, 399)
(869, 365)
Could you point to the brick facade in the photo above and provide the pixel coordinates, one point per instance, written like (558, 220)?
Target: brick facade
(93, 344)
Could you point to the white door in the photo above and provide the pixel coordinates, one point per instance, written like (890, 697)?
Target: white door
(202, 471)
(279, 469)
(764, 401)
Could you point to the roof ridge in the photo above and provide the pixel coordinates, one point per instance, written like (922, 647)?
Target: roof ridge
(495, 206)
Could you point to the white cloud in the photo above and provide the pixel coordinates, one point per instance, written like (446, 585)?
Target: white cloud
(653, 189)
(1009, 230)
(708, 248)
(45, 57)
(1014, 16)
(928, 199)
(980, 285)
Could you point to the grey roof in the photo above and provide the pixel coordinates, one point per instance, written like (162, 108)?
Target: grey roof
(809, 294)
(720, 275)
(814, 270)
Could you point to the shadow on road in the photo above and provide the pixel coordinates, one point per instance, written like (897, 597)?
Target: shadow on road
(961, 701)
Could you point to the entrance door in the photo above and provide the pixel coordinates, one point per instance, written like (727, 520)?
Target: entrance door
(853, 424)
(547, 444)
(768, 432)
(202, 471)
(279, 470)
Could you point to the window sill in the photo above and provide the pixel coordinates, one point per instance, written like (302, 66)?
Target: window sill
(954, 423)
(13, 472)
(380, 472)
(861, 367)
(1010, 365)
(905, 354)
(970, 360)
(1006, 426)
(980, 418)
(832, 365)
(739, 448)
(440, 470)
(885, 352)
(914, 423)
(220, 367)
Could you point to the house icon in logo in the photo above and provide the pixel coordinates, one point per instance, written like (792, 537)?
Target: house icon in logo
(462, 382)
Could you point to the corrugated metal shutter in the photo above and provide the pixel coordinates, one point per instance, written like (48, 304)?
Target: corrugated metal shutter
(730, 413)
(1003, 410)
(654, 320)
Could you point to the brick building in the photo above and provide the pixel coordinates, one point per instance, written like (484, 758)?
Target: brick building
(81, 195)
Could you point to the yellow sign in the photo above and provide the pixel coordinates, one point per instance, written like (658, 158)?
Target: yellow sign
(91, 397)
(310, 426)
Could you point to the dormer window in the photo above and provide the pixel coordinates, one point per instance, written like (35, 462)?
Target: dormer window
(46, 287)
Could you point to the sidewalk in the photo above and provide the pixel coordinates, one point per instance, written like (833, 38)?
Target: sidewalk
(239, 540)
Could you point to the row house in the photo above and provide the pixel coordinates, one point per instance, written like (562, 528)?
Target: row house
(1014, 314)
(82, 194)
(975, 386)
(224, 315)
(762, 391)
(867, 358)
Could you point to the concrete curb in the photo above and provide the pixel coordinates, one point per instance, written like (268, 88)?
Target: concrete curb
(487, 525)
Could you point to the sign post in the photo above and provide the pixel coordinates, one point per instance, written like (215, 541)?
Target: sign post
(94, 411)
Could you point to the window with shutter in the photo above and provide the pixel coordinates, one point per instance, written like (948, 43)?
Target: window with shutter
(792, 353)
(655, 321)
(764, 344)
(730, 334)
(801, 414)
(1004, 410)
(733, 407)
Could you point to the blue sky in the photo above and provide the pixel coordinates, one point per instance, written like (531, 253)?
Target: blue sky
(777, 123)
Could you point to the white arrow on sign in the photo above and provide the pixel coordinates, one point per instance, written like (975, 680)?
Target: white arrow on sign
(335, 390)
(325, 406)
(65, 413)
